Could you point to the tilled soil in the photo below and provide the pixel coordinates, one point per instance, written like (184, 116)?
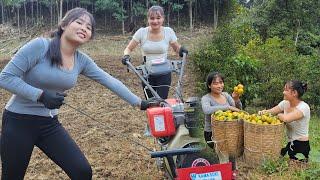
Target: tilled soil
(105, 144)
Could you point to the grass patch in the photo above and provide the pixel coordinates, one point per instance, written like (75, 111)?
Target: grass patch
(275, 166)
(314, 134)
(281, 168)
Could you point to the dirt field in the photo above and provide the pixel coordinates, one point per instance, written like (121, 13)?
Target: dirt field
(111, 156)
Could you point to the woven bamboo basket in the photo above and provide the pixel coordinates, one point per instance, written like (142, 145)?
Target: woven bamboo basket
(262, 142)
(228, 136)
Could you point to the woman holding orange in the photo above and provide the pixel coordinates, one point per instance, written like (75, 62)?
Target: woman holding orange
(216, 99)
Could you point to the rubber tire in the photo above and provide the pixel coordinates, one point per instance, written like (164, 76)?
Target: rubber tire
(190, 160)
(207, 155)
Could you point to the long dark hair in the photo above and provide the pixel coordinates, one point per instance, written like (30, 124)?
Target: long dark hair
(53, 52)
(299, 86)
(213, 76)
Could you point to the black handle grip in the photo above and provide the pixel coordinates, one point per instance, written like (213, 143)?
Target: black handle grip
(174, 152)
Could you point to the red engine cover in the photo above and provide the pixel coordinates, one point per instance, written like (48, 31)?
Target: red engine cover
(161, 121)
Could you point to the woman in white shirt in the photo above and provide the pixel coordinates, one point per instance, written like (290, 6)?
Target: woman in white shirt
(154, 41)
(296, 115)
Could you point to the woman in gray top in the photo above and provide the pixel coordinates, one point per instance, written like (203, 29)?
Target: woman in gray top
(154, 41)
(38, 75)
(216, 100)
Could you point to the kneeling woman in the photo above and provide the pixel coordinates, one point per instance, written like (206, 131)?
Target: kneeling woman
(296, 114)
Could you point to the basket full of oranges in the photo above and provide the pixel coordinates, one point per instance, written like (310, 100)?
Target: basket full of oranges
(263, 136)
(227, 132)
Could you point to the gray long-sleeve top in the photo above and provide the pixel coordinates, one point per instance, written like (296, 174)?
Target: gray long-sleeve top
(30, 72)
(210, 106)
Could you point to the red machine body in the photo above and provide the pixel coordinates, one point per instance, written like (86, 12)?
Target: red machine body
(161, 121)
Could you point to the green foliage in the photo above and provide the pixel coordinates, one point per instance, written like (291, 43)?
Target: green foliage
(232, 68)
(314, 134)
(309, 43)
(295, 19)
(309, 66)
(114, 6)
(220, 54)
(311, 173)
(213, 55)
(86, 2)
(275, 166)
(139, 9)
(278, 64)
(257, 50)
(281, 167)
(177, 7)
(107, 5)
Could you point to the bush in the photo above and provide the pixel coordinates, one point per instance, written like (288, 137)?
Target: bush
(309, 66)
(263, 66)
(278, 62)
(220, 54)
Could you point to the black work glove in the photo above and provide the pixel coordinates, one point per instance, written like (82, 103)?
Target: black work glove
(125, 59)
(151, 102)
(182, 50)
(52, 100)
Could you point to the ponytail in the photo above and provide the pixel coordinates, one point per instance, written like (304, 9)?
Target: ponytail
(304, 87)
(54, 53)
(299, 86)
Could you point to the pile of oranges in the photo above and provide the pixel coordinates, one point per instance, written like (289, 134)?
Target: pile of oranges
(239, 89)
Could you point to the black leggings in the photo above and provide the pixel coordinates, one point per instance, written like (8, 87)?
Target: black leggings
(163, 81)
(208, 137)
(21, 132)
(302, 147)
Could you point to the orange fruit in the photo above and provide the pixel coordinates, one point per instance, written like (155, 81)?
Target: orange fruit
(240, 86)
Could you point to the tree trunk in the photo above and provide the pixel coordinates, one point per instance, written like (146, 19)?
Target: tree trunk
(147, 5)
(178, 15)
(57, 11)
(25, 15)
(190, 15)
(215, 14)
(168, 15)
(40, 13)
(110, 19)
(131, 11)
(195, 12)
(51, 16)
(61, 7)
(122, 15)
(92, 7)
(37, 12)
(105, 20)
(18, 9)
(2, 12)
(32, 19)
(297, 34)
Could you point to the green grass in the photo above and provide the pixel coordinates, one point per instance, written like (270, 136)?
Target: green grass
(281, 169)
(314, 134)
